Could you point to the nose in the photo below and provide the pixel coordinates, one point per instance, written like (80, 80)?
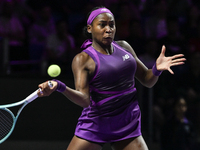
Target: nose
(108, 29)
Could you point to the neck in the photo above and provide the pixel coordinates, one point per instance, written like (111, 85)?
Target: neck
(104, 49)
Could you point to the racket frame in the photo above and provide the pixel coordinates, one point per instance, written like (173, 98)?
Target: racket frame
(27, 100)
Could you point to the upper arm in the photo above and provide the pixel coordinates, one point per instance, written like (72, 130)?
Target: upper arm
(81, 70)
(141, 68)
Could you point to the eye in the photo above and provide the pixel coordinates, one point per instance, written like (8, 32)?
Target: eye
(102, 25)
(111, 25)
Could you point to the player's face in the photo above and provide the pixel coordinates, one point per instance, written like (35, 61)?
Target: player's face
(103, 29)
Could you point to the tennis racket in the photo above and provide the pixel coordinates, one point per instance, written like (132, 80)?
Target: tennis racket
(8, 119)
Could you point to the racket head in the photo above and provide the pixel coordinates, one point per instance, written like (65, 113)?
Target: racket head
(7, 123)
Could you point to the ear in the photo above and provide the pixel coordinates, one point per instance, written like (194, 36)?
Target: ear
(89, 28)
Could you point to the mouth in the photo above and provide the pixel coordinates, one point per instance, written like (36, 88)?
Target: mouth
(108, 38)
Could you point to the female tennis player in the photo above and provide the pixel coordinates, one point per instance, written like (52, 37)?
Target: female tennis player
(104, 74)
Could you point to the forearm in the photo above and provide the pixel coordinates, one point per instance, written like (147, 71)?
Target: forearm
(147, 77)
(77, 97)
(150, 79)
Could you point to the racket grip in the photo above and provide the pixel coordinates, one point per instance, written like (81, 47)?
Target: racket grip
(34, 95)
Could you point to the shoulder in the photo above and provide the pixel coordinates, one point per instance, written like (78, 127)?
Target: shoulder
(122, 43)
(82, 62)
(126, 46)
(81, 58)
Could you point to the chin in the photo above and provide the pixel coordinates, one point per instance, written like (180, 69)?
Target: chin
(107, 42)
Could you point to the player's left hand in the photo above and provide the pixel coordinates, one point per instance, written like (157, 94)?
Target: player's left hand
(165, 63)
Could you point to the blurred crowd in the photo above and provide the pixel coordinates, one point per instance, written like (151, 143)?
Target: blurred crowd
(50, 31)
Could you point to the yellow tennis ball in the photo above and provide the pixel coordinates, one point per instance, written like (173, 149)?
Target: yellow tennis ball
(54, 70)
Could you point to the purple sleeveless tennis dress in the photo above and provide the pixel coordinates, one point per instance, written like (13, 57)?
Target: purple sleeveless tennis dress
(113, 114)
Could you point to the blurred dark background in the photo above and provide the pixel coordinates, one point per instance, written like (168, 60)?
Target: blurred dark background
(35, 34)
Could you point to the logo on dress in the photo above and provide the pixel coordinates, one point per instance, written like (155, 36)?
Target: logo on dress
(125, 57)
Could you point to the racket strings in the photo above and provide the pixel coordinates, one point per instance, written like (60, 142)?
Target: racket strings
(6, 122)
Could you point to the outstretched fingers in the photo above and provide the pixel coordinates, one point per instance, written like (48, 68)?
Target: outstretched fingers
(163, 51)
(177, 56)
(176, 60)
(165, 63)
(170, 70)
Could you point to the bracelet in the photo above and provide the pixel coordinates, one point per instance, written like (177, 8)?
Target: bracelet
(155, 71)
(61, 86)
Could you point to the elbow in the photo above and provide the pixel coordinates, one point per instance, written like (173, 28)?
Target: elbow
(85, 105)
(149, 85)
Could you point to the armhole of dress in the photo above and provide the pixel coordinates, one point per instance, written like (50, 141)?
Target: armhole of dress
(92, 53)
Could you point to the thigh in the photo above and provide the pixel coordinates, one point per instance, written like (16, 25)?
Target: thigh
(81, 144)
(136, 143)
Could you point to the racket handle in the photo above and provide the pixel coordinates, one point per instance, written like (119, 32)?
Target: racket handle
(34, 95)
